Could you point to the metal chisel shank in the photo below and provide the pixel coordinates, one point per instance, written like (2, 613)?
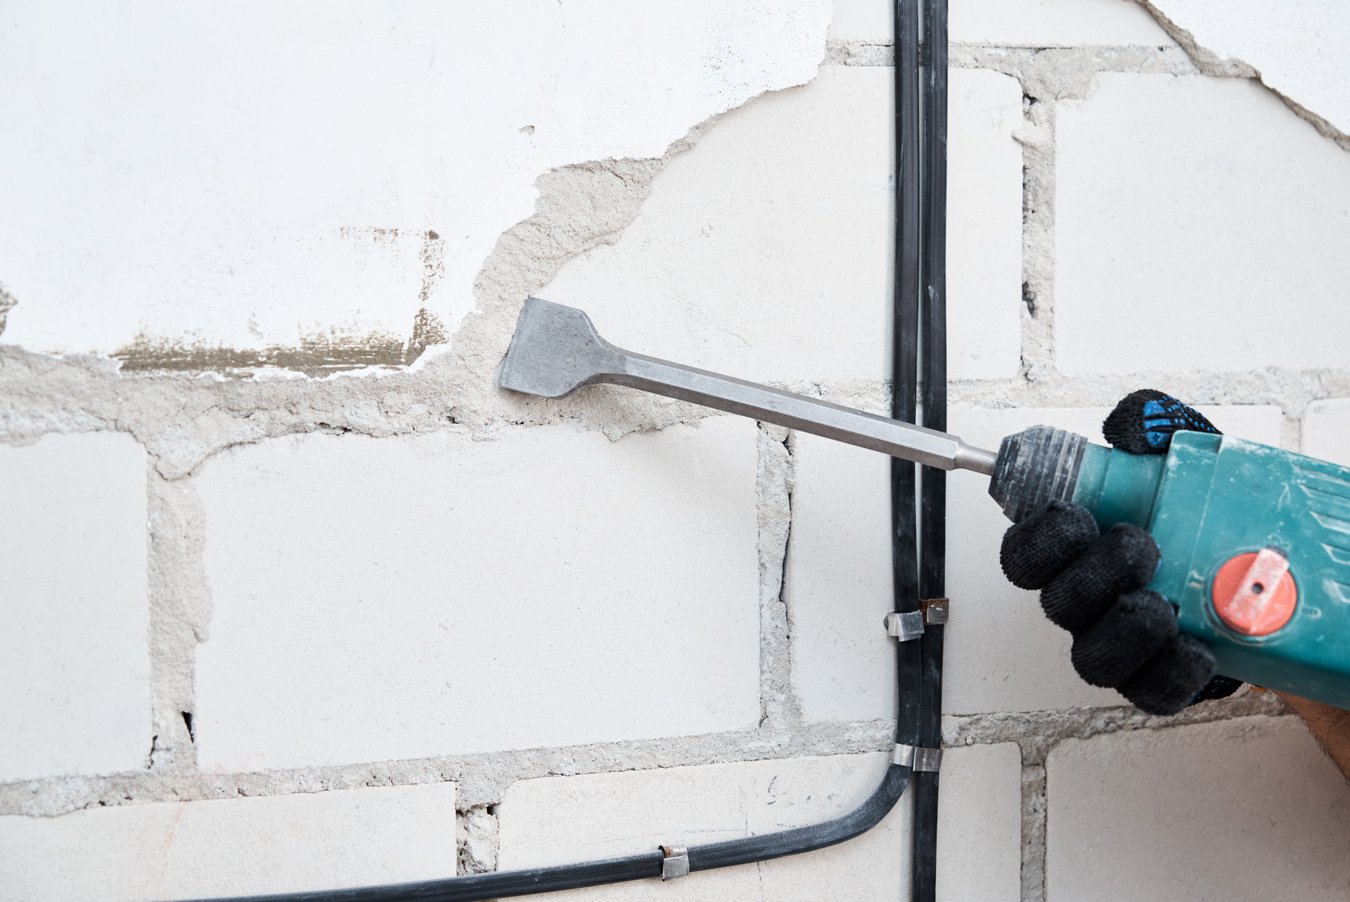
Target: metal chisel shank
(556, 350)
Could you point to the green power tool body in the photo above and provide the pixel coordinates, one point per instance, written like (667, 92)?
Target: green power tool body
(1255, 542)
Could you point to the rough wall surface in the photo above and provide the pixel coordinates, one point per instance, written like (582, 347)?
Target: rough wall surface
(278, 553)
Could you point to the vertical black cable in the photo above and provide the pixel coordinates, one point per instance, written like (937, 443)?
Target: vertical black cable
(905, 320)
(933, 377)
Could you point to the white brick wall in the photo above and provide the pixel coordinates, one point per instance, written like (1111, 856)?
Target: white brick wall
(441, 594)
(74, 662)
(546, 642)
(219, 847)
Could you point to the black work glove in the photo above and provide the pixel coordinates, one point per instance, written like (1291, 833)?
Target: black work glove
(1124, 636)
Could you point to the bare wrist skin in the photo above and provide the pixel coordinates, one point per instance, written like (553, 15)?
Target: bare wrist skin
(1329, 726)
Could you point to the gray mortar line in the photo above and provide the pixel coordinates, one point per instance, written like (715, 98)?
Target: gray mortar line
(1037, 139)
(1066, 70)
(179, 611)
(477, 839)
(1039, 732)
(1210, 63)
(183, 421)
(1288, 389)
(482, 777)
(1034, 823)
(780, 709)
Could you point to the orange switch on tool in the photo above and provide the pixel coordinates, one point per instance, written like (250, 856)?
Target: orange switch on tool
(1254, 593)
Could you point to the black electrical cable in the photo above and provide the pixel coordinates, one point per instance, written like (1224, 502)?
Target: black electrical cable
(905, 353)
(933, 491)
(905, 558)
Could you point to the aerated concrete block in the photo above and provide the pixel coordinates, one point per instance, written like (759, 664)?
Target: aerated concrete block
(1243, 811)
(440, 594)
(1199, 224)
(74, 660)
(229, 847)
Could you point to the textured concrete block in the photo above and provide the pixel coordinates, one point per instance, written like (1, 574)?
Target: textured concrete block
(1013, 23)
(1219, 208)
(1002, 654)
(1243, 811)
(561, 819)
(228, 847)
(838, 585)
(1326, 430)
(765, 250)
(74, 663)
(395, 598)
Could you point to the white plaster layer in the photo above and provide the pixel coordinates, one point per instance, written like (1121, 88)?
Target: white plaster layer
(765, 251)
(275, 174)
(1013, 23)
(561, 819)
(231, 847)
(1243, 811)
(1220, 209)
(1300, 49)
(444, 594)
(74, 659)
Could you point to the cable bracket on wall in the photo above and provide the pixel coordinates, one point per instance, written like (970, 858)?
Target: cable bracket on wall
(935, 610)
(905, 626)
(675, 862)
(919, 760)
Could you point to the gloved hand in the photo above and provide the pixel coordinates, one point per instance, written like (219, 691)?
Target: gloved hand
(1124, 636)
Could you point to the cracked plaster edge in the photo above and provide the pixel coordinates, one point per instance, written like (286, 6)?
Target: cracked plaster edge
(1211, 63)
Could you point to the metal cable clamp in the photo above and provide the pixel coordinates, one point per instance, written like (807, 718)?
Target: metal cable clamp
(935, 610)
(904, 626)
(675, 863)
(919, 760)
